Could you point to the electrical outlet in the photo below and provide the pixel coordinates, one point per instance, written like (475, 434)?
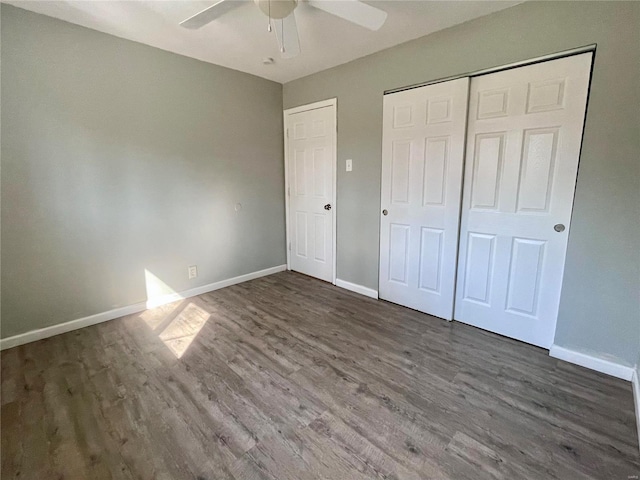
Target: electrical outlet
(193, 271)
(349, 163)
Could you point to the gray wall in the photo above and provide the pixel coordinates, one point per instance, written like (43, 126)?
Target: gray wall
(118, 157)
(599, 311)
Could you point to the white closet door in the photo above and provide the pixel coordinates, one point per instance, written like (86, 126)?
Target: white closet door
(524, 137)
(311, 158)
(422, 157)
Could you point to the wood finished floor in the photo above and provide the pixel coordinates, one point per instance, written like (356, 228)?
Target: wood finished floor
(287, 377)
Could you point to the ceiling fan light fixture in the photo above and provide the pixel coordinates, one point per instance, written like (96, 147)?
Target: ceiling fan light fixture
(284, 20)
(276, 8)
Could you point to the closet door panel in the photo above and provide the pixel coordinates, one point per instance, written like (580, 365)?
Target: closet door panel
(523, 146)
(422, 158)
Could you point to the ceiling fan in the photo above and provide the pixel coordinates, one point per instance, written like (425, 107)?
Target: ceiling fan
(281, 15)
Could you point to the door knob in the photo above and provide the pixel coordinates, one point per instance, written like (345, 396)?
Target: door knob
(385, 212)
(559, 227)
(327, 206)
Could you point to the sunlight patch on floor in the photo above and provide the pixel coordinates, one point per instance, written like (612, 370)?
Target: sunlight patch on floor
(163, 303)
(155, 317)
(184, 328)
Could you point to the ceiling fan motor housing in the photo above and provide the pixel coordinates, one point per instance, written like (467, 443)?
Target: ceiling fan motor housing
(277, 8)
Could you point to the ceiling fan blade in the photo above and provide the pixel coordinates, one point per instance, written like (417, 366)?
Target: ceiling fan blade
(209, 14)
(354, 11)
(287, 35)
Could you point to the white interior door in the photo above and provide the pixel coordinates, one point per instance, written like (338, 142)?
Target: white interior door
(524, 137)
(311, 163)
(422, 158)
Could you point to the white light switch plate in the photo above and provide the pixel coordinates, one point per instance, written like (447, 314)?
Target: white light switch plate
(349, 163)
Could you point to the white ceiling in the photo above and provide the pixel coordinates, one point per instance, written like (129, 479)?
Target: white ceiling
(239, 39)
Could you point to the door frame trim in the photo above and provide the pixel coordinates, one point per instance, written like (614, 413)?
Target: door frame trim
(331, 102)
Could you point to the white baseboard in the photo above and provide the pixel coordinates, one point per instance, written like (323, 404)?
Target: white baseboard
(65, 327)
(174, 297)
(594, 363)
(35, 335)
(635, 382)
(354, 287)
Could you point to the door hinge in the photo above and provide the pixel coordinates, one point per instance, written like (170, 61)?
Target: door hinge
(289, 246)
(289, 191)
(287, 133)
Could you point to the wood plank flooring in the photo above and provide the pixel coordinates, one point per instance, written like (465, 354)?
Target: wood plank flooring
(287, 377)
